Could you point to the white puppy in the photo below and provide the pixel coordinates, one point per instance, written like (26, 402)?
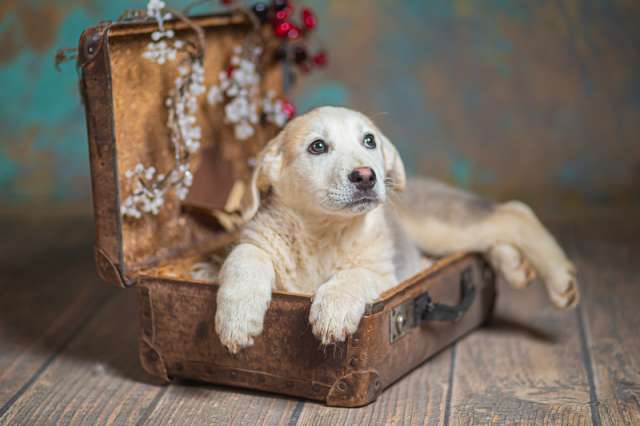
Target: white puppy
(323, 221)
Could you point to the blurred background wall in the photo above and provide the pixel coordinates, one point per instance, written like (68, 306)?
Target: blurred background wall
(538, 100)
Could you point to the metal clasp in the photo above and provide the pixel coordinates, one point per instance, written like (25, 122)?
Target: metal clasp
(415, 311)
(401, 319)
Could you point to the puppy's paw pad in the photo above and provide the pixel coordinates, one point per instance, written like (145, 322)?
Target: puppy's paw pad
(512, 266)
(563, 288)
(334, 316)
(520, 276)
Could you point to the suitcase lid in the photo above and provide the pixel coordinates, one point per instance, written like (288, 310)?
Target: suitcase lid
(124, 97)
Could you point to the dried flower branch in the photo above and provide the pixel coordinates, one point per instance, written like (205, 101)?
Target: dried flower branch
(66, 54)
(238, 88)
(150, 187)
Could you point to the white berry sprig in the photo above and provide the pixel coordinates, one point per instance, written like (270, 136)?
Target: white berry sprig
(149, 188)
(161, 49)
(239, 89)
(239, 86)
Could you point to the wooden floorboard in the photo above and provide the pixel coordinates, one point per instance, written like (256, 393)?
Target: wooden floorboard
(200, 403)
(49, 289)
(96, 379)
(525, 368)
(417, 399)
(68, 350)
(611, 316)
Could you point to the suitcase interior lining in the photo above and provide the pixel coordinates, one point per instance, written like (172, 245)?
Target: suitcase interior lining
(180, 267)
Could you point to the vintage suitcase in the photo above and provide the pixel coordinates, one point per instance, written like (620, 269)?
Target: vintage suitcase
(123, 98)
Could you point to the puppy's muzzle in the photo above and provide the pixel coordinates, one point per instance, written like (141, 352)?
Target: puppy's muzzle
(364, 178)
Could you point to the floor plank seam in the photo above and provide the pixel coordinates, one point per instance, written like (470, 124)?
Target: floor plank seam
(295, 415)
(152, 406)
(588, 366)
(452, 367)
(83, 324)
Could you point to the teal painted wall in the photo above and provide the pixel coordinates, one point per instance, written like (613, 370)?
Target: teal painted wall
(532, 99)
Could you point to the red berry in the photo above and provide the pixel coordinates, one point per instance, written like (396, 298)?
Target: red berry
(309, 18)
(320, 58)
(226, 2)
(281, 29)
(230, 69)
(294, 32)
(283, 14)
(288, 108)
(304, 67)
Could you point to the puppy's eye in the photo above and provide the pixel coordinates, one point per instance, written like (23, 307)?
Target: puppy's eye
(318, 147)
(369, 141)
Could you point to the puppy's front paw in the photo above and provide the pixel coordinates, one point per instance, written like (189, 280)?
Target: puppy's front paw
(237, 323)
(335, 314)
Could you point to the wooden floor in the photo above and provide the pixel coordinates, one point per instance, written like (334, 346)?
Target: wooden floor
(68, 347)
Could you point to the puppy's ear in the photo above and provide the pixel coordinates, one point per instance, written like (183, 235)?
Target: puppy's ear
(266, 172)
(393, 165)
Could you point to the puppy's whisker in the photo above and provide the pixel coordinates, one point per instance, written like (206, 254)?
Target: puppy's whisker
(393, 196)
(389, 183)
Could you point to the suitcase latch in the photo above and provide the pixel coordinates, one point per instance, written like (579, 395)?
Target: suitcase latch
(420, 309)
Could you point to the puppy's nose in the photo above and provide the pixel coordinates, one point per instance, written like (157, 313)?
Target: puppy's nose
(363, 177)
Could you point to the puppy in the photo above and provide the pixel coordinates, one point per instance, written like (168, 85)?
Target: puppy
(326, 219)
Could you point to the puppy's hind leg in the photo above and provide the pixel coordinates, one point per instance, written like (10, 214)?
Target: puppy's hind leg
(511, 265)
(516, 223)
(442, 220)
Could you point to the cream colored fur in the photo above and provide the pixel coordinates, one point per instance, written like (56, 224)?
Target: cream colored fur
(306, 234)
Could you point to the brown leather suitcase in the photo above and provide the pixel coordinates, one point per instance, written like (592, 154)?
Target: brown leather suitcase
(123, 98)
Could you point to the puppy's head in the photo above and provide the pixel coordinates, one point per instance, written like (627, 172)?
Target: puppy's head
(332, 161)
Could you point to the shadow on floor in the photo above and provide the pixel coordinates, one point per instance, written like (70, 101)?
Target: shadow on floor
(503, 324)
